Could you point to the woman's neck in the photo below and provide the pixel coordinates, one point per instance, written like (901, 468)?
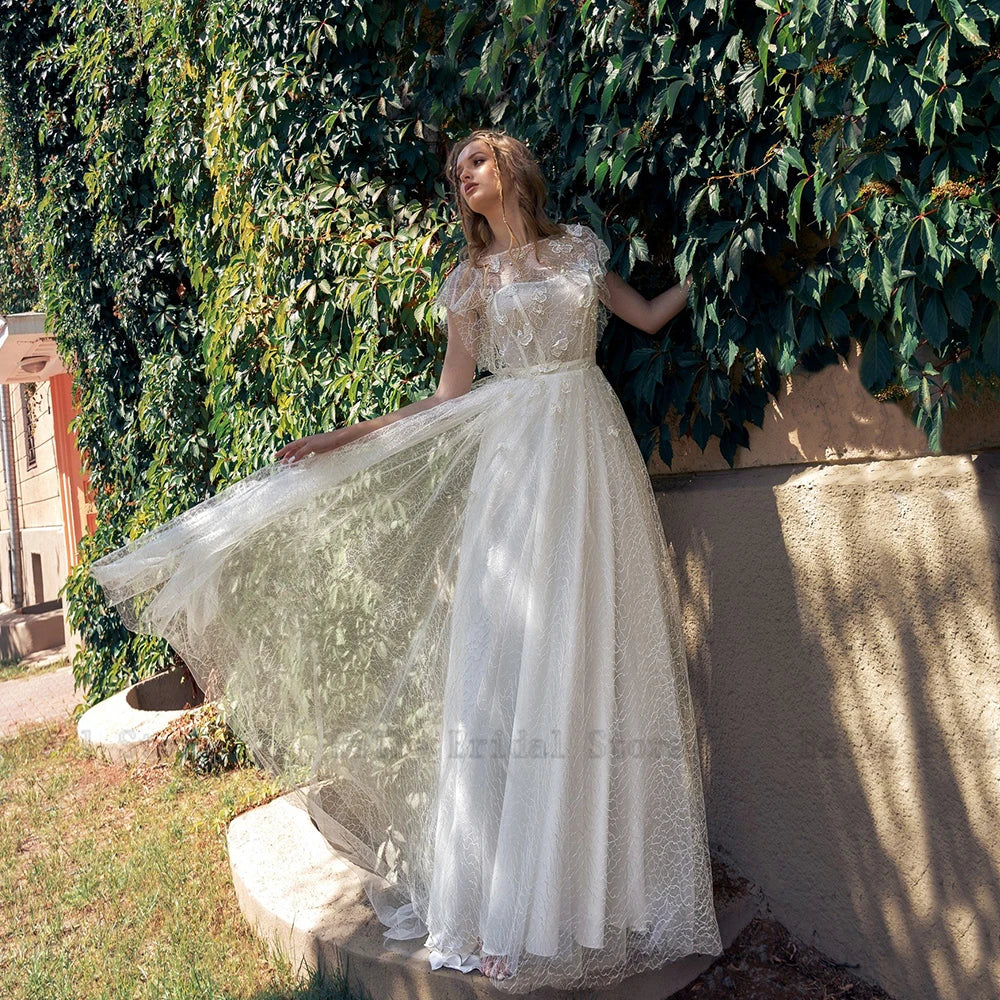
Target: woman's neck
(518, 232)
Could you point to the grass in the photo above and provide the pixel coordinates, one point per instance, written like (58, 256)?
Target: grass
(12, 669)
(116, 886)
(116, 882)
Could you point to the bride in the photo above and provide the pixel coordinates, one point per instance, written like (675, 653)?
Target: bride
(454, 629)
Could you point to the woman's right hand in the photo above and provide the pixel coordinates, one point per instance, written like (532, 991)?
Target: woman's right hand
(315, 444)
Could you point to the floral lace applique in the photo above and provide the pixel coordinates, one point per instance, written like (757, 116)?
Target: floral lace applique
(468, 291)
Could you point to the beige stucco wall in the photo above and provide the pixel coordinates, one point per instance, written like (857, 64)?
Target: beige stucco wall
(828, 416)
(844, 641)
(39, 508)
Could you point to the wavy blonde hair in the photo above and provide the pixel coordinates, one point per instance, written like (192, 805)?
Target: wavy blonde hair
(520, 179)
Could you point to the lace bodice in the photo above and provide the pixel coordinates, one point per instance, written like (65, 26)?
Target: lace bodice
(551, 308)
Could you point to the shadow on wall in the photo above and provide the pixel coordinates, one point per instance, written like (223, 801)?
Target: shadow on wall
(842, 626)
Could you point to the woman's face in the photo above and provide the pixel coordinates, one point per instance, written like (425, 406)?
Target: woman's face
(478, 178)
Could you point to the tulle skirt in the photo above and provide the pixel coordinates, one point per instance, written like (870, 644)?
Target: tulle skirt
(458, 637)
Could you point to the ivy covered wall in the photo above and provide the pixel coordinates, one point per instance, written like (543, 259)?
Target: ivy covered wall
(233, 214)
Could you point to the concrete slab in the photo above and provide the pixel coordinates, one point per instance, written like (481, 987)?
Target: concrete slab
(309, 903)
(42, 659)
(122, 728)
(24, 632)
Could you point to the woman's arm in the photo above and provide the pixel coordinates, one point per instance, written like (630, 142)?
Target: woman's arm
(456, 380)
(649, 315)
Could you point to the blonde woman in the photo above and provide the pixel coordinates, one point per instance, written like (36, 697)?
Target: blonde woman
(455, 630)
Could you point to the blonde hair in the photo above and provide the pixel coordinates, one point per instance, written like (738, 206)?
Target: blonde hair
(519, 176)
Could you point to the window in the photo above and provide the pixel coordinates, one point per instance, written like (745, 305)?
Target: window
(29, 423)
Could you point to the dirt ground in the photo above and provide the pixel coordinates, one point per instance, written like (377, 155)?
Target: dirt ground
(765, 962)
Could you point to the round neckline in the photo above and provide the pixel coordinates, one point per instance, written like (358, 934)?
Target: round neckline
(534, 243)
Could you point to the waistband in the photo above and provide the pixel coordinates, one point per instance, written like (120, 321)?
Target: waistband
(547, 367)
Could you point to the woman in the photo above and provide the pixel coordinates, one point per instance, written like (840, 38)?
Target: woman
(454, 628)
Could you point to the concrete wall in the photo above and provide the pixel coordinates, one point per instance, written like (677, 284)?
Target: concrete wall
(43, 544)
(840, 594)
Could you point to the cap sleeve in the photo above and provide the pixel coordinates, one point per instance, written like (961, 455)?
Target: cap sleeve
(460, 300)
(597, 255)
(457, 291)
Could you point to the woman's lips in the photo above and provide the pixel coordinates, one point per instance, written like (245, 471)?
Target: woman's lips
(469, 188)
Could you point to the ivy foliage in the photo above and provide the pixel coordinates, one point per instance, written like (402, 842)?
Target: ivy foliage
(234, 217)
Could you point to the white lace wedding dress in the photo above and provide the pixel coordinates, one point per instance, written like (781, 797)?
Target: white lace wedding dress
(459, 638)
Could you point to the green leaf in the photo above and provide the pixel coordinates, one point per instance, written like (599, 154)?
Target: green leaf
(665, 448)
(751, 93)
(936, 427)
(793, 114)
(617, 168)
(991, 342)
(794, 157)
(933, 319)
(900, 111)
(959, 307)
(694, 202)
(705, 394)
(876, 18)
(795, 207)
(836, 323)
(928, 236)
(786, 356)
(876, 362)
(667, 98)
(968, 28)
(826, 205)
(926, 120)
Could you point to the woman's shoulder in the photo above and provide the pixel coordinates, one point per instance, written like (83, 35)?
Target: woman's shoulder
(457, 291)
(581, 233)
(592, 244)
(577, 230)
(462, 270)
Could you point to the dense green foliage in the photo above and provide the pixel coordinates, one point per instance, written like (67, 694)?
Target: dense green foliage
(204, 741)
(233, 213)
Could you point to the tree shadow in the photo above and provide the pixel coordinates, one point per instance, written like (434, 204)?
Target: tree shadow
(844, 653)
(316, 984)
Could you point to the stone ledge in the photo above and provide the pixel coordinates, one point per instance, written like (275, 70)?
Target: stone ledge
(30, 630)
(309, 903)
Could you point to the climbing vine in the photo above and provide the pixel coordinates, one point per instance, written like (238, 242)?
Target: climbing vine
(233, 214)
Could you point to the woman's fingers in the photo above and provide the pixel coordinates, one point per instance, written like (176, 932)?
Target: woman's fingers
(293, 451)
(305, 447)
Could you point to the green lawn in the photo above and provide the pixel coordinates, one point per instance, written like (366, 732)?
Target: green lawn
(115, 881)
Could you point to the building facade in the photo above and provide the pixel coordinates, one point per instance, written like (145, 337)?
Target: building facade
(44, 507)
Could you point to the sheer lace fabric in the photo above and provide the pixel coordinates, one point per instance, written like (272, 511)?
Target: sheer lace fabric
(458, 638)
(499, 307)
